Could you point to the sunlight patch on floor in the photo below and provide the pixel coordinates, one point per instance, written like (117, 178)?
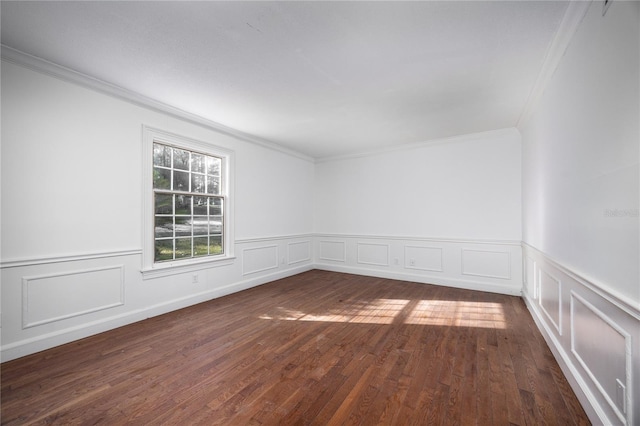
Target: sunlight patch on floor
(387, 311)
(379, 311)
(457, 313)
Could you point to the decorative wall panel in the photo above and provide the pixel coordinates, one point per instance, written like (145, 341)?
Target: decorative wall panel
(57, 296)
(373, 254)
(606, 359)
(332, 250)
(423, 258)
(551, 299)
(485, 263)
(259, 259)
(299, 252)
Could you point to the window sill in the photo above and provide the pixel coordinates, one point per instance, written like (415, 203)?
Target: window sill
(185, 266)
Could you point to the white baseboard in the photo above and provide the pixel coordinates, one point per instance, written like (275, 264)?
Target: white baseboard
(425, 279)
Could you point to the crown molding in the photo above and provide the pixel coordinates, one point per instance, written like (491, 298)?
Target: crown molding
(60, 72)
(572, 19)
(509, 131)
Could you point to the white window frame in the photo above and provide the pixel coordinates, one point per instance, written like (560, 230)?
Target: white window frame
(152, 269)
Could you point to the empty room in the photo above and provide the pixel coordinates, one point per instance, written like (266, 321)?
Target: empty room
(320, 212)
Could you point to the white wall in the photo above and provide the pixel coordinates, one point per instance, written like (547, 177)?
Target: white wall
(435, 212)
(447, 212)
(72, 214)
(580, 154)
(581, 185)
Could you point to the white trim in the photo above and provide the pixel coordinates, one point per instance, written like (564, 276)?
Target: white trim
(362, 262)
(51, 69)
(331, 259)
(557, 325)
(186, 266)
(619, 300)
(426, 239)
(266, 268)
(411, 146)
(628, 402)
(572, 19)
(25, 296)
(274, 238)
(34, 261)
(309, 249)
(418, 268)
(501, 277)
(422, 278)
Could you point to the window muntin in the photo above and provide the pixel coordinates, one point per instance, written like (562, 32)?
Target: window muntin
(189, 213)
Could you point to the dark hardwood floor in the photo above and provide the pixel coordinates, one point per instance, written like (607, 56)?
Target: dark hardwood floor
(317, 348)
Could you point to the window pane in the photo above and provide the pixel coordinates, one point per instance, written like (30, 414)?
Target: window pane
(188, 202)
(183, 247)
(200, 205)
(180, 159)
(215, 206)
(161, 178)
(183, 205)
(197, 183)
(215, 224)
(200, 225)
(164, 250)
(215, 245)
(213, 166)
(164, 226)
(164, 204)
(161, 155)
(200, 246)
(180, 181)
(213, 185)
(197, 163)
(183, 226)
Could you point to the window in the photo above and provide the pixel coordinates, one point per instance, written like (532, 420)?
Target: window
(187, 214)
(188, 206)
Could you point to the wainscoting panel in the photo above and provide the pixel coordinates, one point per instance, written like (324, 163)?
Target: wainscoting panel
(373, 254)
(50, 301)
(607, 361)
(494, 266)
(597, 346)
(259, 259)
(299, 252)
(53, 297)
(332, 250)
(485, 263)
(423, 258)
(551, 299)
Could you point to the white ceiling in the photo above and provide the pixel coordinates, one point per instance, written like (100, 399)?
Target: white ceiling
(321, 78)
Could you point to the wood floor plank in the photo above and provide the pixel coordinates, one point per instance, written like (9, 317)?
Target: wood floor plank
(313, 349)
